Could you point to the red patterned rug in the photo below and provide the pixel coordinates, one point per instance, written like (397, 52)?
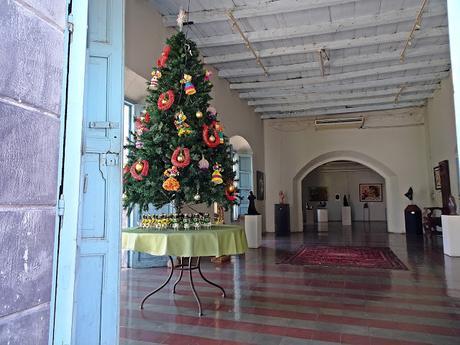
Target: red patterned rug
(360, 257)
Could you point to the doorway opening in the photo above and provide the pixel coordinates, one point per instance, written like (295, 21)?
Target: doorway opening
(330, 187)
(244, 174)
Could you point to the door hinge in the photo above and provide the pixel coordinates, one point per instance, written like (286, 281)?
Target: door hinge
(61, 206)
(70, 22)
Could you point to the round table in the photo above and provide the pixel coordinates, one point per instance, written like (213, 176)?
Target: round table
(217, 241)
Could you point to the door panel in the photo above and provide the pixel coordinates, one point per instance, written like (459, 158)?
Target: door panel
(97, 280)
(245, 181)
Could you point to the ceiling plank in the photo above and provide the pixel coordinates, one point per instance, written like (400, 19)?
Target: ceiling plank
(340, 103)
(268, 8)
(339, 111)
(428, 77)
(330, 45)
(343, 76)
(361, 22)
(431, 50)
(314, 97)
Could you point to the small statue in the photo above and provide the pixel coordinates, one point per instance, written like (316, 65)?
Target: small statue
(282, 197)
(252, 206)
(410, 194)
(452, 205)
(345, 201)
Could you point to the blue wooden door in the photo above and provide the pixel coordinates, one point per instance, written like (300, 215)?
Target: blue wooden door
(245, 184)
(98, 240)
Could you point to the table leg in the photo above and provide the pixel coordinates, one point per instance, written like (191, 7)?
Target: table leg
(162, 285)
(192, 285)
(208, 281)
(181, 265)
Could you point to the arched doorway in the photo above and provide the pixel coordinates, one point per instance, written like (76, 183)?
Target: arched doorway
(395, 220)
(244, 173)
(333, 183)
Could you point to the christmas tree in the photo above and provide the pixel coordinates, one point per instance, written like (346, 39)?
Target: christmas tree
(178, 152)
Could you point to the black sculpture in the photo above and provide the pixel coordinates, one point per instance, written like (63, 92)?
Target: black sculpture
(345, 201)
(409, 194)
(252, 206)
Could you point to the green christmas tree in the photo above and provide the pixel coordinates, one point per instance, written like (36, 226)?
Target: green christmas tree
(178, 152)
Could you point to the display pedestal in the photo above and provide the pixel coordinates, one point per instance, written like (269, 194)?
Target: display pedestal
(346, 215)
(253, 230)
(451, 235)
(413, 220)
(322, 215)
(309, 217)
(282, 220)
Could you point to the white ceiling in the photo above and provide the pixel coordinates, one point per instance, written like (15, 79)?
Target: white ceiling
(363, 38)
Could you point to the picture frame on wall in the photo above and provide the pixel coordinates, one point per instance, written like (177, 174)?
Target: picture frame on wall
(437, 178)
(260, 179)
(370, 192)
(317, 194)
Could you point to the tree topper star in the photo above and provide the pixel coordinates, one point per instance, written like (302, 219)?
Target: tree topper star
(181, 17)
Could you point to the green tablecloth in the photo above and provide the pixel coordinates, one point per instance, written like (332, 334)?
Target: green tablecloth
(217, 241)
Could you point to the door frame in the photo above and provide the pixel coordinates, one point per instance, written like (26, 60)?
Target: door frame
(65, 259)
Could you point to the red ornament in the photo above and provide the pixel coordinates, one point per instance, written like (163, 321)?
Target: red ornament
(166, 100)
(147, 117)
(230, 196)
(211, 139)
(161, 62)
(143, 166)
(181, 157)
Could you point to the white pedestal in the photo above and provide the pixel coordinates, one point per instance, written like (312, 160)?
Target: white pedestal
(451, 235)
(322, 215)
(253, 229)
(346, 215)
(309, 217)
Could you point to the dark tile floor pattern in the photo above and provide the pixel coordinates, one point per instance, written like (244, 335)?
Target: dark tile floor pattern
(270, 304)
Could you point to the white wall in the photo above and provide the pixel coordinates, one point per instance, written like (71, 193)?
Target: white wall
(145, 37)
(441, 138)
(345, 182)
(397, 153)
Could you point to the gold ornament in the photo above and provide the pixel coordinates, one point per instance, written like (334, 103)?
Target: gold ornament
(199, 114)
(180, 158)
(164, 101)
(212, 138)
(139, 166)
(231, 188)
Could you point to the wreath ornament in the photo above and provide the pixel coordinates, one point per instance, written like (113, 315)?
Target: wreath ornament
(166, 100)
(139, 170)
(181, 157)
(211, 139)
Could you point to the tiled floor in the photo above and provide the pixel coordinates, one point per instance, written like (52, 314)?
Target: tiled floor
(270, 304)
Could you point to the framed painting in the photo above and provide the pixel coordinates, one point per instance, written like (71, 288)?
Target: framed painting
(437, 178)
(318, 193)
(260, 185)
(370, 192)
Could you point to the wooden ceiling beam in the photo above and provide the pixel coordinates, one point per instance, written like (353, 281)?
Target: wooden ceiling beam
(318, 97)
(391, 17)
(358, 60)
(265, 9)
(394, 81)
(340, 103)
(329, 45)
(342, 76)
(338, 111)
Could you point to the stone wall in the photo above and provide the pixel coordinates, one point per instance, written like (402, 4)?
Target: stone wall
(31, 72)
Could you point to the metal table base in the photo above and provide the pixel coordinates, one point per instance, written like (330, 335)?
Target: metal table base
(181, 266)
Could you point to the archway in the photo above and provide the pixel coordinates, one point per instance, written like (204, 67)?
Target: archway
(329, 185)
(395, 222)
